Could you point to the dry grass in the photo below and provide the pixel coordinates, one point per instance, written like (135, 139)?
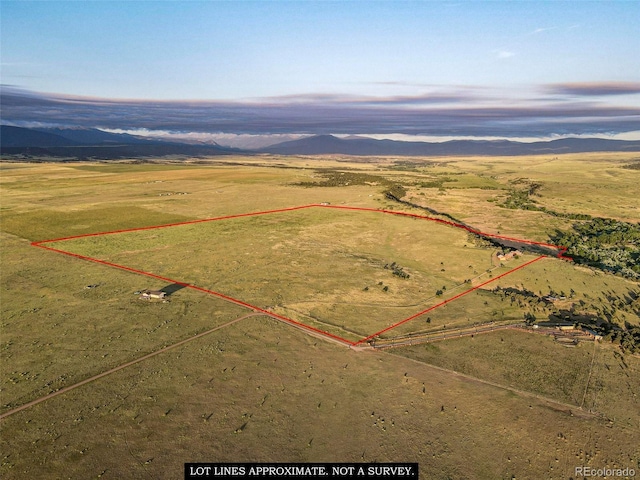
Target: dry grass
(326, 267)
(594, 376)
(56, 332)
(259, 390)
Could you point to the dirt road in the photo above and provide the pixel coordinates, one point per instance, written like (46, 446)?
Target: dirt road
(124, 365)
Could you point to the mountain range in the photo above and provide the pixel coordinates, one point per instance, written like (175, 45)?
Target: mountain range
(88, 143)
(329, 144)
(84, 143)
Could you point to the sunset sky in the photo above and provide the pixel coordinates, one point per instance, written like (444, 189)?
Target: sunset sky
(432, 69)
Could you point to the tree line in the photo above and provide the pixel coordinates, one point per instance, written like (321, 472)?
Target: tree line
(604, 243)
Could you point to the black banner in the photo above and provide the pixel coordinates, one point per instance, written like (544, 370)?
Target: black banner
(301, 471)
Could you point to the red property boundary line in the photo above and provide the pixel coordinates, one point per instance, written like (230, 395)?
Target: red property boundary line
(41, 244)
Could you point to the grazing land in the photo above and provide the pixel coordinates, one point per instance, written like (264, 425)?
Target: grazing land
(351, 273)
(259, 389)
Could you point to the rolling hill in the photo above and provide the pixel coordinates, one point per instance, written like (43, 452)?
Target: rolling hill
(329, 144)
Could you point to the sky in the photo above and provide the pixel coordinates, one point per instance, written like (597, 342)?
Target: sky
(516, 69)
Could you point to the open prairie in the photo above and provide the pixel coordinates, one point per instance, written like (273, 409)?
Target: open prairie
(506, 404)
(351, 273)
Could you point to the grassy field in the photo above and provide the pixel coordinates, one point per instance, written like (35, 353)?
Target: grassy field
(260, 390)
(592, 375)
(589, 290)
(56, 332)
(479, 307)
(327, 267)
(594, 184)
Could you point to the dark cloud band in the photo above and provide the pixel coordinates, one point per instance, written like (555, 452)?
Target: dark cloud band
(595, 89)
(448, 114)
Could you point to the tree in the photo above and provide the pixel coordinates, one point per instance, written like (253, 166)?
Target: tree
(529, 318)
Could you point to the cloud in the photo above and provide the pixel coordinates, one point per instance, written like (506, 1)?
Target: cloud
(543, 29)
(504, 54)
(454, 113)
(203, 138)
(339, 99)
(594, 89)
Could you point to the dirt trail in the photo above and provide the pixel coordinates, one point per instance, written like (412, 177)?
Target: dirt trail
(124, 365)
(569, 409)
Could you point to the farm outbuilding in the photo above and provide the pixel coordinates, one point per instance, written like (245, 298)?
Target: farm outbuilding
(592, 333)
(153, 295)
(557, 325)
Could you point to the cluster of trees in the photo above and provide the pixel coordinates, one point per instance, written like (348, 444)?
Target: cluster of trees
(516, 292)
(397, 270)
(629, 339)
(385, 288)
(529, 318)
(607, 244)
(597, 314)
(337, 178)
(482, 242)
(395, 192)
(433, 183)
(437, 182)
(525, 299)
(407, 166)
(521, 199)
